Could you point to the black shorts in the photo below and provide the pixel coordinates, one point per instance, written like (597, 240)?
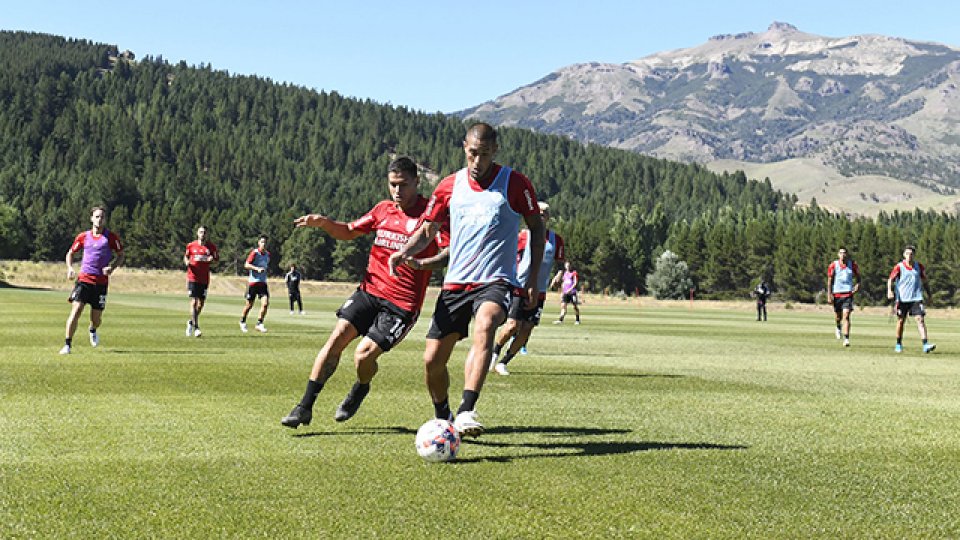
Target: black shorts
(378, 319)
(517, 312)
(455, 308)
(294, 295)
(570, 298)
(257, 289)
(197, 290)
(89, 293)
(842, 304)
(910, 308)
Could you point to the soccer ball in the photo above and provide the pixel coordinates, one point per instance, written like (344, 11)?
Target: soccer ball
(437, 440)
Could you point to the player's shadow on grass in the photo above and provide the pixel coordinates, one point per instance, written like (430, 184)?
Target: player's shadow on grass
(5, 285)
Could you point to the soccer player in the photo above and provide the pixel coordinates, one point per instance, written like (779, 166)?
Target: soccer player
(200, 253)
(382, 309)
(520, 321)
(484, 204)
(762, 293)
(258, 261)
(911, 282)
(843, 281)
(292, 279)
(569, 280)
(102, 254)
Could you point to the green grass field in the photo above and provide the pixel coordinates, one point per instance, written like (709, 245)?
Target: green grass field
(642, 422)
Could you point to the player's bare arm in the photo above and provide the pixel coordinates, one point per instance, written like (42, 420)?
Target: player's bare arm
(337, 229)
(537, 240)
(69, 260)
(431, 263)
(114, 263)
(417, 242)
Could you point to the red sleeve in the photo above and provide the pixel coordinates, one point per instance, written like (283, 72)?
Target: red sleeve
(368, 222)
(438, 209)
(559, 254)
(114, 242)
(895, 273)
(522, 196)
(830, 269)
(522, 240)
(250, 256)
(856, 270)
(78, 242)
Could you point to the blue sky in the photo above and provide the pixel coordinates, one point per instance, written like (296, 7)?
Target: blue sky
(443, 55)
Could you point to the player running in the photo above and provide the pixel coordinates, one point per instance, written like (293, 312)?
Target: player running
(383, 308)
(843, 281)
(199, 255)
(520, 321)
(484, 204)
(102, 254)
(911, 282)
(569, 280)
(258, 261)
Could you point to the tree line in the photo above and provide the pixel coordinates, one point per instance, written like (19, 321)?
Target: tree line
(167, 147)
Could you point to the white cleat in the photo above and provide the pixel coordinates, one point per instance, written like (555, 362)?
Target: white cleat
(197, 332)
(501, 369)
(189, 332)
(291, 312)
(846, 342)
(94, 339)
(261, 328)
(467, 425)
(839, 334)
(243, 327)
(65, 349)
(303, 312)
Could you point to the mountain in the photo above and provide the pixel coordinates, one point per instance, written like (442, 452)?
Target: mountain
(865, 105)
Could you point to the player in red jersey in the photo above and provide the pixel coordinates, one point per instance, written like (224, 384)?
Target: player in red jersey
(200, 253)
(102, 254)
(484, 204)
(383, 308)
(843, 281)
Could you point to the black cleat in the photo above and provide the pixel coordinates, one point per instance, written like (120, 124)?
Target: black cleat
(349, 406)
(299, 415)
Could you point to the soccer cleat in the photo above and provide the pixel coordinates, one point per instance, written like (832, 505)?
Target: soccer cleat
(846, 342)
(929, 347)
(578, 323)
(501, 369)
(467, 425)
(243, 327)
(839, 334)
(261, 328)
(303, 312)
(197, 332)
(348, 407)
(523, 350)
(94, 339)
(558, 321)
(898, 348)
(291, 312)
(65, 349)
(299, 415)
(189, 332)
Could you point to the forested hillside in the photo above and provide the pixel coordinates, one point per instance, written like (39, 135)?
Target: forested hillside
(168, 147)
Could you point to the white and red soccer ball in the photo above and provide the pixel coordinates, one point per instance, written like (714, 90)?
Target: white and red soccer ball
(437, 440)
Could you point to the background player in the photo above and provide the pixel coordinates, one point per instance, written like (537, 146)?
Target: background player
(569, 280)
(199, 255)
(102, 254)
(483, 204)
(911, 281)
(258, 261)
(843, 281)
(520, 321)
(383, 308)
(293, 279)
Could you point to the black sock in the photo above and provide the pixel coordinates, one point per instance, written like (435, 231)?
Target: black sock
(92, 330)
(243, 319)
(507, 357)
(359, 390)
(497, 348)
(442, 410)
(259, 321)
(469, 401)
(310, 395)
(899, 341)
(68, 341)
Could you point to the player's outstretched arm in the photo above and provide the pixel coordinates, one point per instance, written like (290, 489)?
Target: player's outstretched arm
(337, 229)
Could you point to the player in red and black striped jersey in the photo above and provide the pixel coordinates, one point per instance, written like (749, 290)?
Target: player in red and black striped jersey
(384, 307)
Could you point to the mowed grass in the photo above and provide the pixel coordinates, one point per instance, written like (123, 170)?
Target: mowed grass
(642, 422)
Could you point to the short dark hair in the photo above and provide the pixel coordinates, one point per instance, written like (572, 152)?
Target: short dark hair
(263, 236)
(911, 247)
(483, 132)
(402, 164)
(98, 207)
